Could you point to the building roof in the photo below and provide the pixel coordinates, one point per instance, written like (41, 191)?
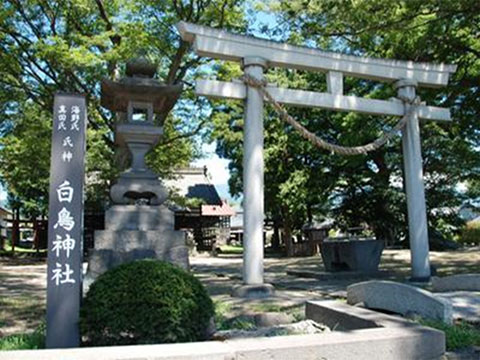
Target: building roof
(193, 183)
(215, 210)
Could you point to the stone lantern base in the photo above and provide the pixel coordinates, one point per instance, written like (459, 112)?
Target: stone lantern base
(134, 232)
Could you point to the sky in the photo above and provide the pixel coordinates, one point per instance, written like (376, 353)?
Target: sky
(218, 172)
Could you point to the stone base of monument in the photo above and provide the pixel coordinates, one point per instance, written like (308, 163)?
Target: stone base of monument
(256, 291)
(362, 255)
(136, 232)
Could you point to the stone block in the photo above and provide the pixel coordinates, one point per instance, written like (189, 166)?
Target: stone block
(127, 240)
(412, 341)
(113, 248)
(178, 255)
(352, 255)
(462, 282)
(102, 260)
(340, 316)
(130, 186)
(269, 319)
(138, 217)
(399, 298)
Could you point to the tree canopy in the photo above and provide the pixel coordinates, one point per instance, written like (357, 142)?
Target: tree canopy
(70, 46)
(50, 46)
(304, 182)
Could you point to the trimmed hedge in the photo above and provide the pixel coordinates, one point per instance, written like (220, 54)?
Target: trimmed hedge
(145, 302)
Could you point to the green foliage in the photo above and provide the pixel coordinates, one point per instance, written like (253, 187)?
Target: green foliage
(457, 336)
(222, 310)
(242, 324)
(27, 341)
(145, 302)
(267, 307)
(225, 321)
(24, 159)
(70, 46)
(231, 249)
(304, 182)
(470, 234)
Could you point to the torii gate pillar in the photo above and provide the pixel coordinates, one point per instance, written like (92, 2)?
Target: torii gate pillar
(415, 193)
(253, 201)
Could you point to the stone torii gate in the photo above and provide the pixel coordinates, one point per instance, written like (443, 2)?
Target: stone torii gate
(256, 55)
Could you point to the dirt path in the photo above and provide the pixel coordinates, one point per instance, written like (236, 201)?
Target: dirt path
(22, 287)
(22, 297)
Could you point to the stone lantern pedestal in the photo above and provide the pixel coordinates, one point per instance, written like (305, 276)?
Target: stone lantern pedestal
(138, 225)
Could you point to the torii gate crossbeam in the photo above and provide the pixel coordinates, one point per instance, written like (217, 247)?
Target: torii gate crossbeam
(255, 56)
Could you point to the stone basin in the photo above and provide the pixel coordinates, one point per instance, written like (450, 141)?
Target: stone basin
(352, 254)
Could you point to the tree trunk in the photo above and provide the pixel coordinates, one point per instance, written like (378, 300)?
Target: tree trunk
(309, 214)
(276, 234)
(287, 237)
(36, 242)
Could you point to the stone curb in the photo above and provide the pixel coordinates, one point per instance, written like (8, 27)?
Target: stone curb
(383, 337)
(462, 282)
(400, 298)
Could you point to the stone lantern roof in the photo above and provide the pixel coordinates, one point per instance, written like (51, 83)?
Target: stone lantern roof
(139, 86)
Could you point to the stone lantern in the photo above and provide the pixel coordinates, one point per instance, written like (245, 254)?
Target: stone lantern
(137, 97)
(138, 225)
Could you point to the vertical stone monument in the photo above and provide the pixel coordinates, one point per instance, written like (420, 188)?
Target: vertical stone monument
(138, 225)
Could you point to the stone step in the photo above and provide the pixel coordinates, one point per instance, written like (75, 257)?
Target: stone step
(128, 240)
(139, 217)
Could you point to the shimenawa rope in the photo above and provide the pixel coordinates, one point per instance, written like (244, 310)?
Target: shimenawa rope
(315, 140)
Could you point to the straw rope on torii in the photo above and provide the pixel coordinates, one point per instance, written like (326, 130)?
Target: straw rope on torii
(318, 142)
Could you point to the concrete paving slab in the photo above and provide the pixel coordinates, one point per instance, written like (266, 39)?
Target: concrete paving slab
(467, 282)
(465, 304)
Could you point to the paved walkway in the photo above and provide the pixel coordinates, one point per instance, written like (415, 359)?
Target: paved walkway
(22, 287)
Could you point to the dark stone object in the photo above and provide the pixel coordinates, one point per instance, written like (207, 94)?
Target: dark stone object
(64, 269)
(256, 291)
(362, 255)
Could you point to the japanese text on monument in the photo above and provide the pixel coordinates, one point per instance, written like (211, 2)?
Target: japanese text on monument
(65, 225)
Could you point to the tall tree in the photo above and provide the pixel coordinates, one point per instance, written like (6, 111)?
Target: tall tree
(50, 46)
(367, 189)
(425, 31)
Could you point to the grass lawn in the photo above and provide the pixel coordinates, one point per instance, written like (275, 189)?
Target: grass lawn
(458, 336)
(35, 340)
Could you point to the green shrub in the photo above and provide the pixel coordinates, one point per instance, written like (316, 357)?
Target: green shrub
(145, 302)
(471, 234)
